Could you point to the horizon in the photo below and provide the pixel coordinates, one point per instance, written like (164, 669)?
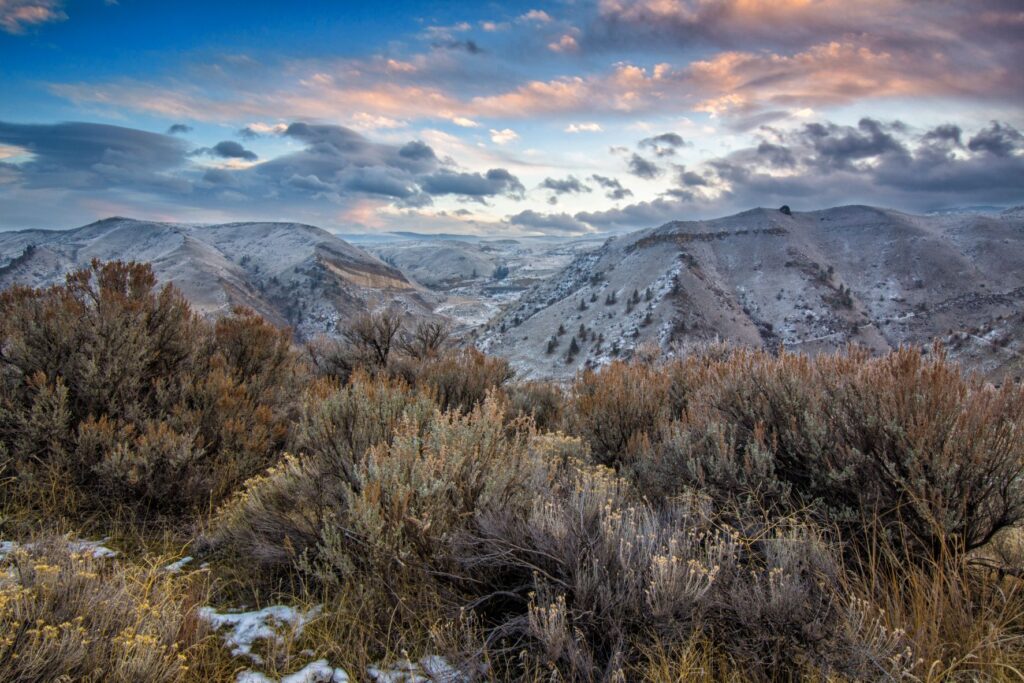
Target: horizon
(979, 210)
(505, 120)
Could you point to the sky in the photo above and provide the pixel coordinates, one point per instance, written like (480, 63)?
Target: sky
(567, 117)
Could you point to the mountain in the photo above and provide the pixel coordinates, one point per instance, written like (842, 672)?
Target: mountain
(812, 281)
(439, 263)
(290, 273)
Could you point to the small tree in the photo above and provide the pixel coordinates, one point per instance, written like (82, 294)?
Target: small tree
(374, 335)
(427, 340)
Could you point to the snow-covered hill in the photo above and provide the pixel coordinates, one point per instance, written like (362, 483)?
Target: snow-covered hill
(811, 281)
(290, 273)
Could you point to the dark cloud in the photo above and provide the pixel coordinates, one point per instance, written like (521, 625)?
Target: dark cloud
(497, 181)
(419, 151)
(379, 180)
(663, 145)
(776, 155)
(333, 148)
(614, 189)
(642, 168)
(95, 156)
(688, 178)
(227, 149)
(570, 185)
(825, 164)
(464, 45)
(557, 222)
(840, 146)
(998, 139)
(944, 133)
(642, 214)
(179, 129)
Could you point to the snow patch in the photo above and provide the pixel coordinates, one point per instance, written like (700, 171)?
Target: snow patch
(175, 567)
(245, 628)
(429, 669)
(319, 671)
(75, 545)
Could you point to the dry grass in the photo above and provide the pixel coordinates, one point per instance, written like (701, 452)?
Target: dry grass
(66, 615)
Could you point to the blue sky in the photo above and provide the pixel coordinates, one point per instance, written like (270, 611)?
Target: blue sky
(564, 117)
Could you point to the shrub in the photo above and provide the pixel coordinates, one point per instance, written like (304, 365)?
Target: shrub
(114, 393)
(903, 446)
(66, 615)
(591, 576)
(339, 512)
(540, 401)
(462, 378)
(372, 336)
(615, 408)
(281, 514)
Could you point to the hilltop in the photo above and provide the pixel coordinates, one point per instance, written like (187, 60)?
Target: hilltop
(290, 273)
(801, 281)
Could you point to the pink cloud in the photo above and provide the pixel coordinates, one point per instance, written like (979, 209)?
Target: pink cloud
(16, 15)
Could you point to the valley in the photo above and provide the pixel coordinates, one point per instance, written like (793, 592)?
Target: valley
(796, 281)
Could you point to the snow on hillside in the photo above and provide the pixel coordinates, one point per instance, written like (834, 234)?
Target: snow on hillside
(290, 273)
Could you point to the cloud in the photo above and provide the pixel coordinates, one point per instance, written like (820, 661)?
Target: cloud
(496, 181)
(335, 170)
(537, 15)
(504, 136)
(663, 145)
(468, 46)
(583, 128)
(463, 122)
(549, 222)
(258, 130)
(569, 185)
(87, 156)
(825, 164)
(227, 149)
(642, 168)
(567, 43)
(179, 129)
(17, 15)
(997, 139)
(614, 189)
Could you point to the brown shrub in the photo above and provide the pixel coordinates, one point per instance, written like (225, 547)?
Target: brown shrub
(903, 441)
(616, 407)
(540, 401)
(462, 378)
(114, 393)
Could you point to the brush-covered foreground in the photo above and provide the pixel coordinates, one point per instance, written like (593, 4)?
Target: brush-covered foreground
(728, 516)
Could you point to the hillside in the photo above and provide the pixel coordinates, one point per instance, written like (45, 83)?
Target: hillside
(292, 274)
(812, 282)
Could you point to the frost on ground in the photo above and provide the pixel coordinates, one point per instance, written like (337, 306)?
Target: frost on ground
(75, 545)
(314, 672)
(429, 669)
(245, 628)
(175, 567)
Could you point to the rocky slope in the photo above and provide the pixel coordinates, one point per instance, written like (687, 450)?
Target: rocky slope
(292, 274)
(812, 281)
